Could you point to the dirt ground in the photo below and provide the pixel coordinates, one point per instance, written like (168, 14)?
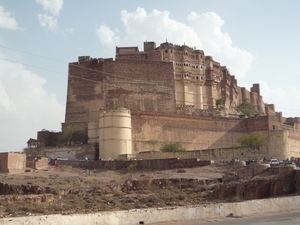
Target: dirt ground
(68, 190)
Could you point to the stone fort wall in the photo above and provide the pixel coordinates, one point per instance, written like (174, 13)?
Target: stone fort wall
(217, 155)
(137, 85)
(148, 87)
(72, 152)
(208, 134)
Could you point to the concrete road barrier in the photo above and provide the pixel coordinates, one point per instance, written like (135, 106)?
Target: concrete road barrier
(155, 215)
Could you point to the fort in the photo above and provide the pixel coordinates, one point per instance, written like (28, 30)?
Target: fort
(171, 93)
(160, 95)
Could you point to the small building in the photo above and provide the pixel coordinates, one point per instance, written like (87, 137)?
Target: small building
(33, 143)
(12, 162)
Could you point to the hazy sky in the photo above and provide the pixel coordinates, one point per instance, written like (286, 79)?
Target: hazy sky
(257, 40)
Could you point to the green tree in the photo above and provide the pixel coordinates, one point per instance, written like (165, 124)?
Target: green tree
(251, 140)
(131, 167)
(220, 101)
(72, 135)
(172, 147)
(247, 108)
(153, 143)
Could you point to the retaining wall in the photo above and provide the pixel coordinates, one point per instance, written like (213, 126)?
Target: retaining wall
(159, 164)
(147, 216)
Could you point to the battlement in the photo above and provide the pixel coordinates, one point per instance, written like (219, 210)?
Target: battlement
(114, 110)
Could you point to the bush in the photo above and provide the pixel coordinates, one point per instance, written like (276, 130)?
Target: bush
(153, 143)
(72, 135)
(247, 108)
(251, 140)
(220, 101)
(172, 147)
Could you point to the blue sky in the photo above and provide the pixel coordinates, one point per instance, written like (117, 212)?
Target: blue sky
(257, 40)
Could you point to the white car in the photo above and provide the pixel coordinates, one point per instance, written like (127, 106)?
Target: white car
(84, 159)
(274, 162)
(61, 158)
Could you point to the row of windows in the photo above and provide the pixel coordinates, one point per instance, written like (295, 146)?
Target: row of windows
(185, 53)
(187, 76)
(187, 64)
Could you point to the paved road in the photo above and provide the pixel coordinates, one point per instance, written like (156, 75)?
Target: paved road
(280, 219)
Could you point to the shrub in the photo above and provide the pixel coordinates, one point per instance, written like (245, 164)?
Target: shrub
(251, 140)
(247, 108)
(172, 147)
(72, 135)
(153, 143)
(220, 101)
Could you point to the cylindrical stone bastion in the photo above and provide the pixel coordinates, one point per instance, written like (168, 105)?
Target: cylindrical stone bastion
(114, 133)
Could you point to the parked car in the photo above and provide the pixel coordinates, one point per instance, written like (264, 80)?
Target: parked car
(274, 162)
(84, 159)
(61, 158)
(289, 163)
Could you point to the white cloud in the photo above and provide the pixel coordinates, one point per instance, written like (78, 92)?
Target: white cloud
(108, 38)
(200, 30)
(7, 20)
(69, 30)
(219, 44)
(285, 101)
(52, 6)
(5, 101)
(25, 107)
(48, 22)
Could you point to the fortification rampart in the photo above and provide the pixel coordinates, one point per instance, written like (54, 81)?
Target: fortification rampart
(71, 152)
(158, 164)
(192, 132)
(202, 133)
(175, 93)
(217, 155)
(137, 85)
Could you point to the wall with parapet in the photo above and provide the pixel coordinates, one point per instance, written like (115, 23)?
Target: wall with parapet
(158, 164)
(192, 132)
(293, 143)
(69, 151)
(138, 85)
(217, 155)
(208, 134)
(277, 144)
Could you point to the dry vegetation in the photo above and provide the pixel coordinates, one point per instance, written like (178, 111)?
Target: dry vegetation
(68, 190)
